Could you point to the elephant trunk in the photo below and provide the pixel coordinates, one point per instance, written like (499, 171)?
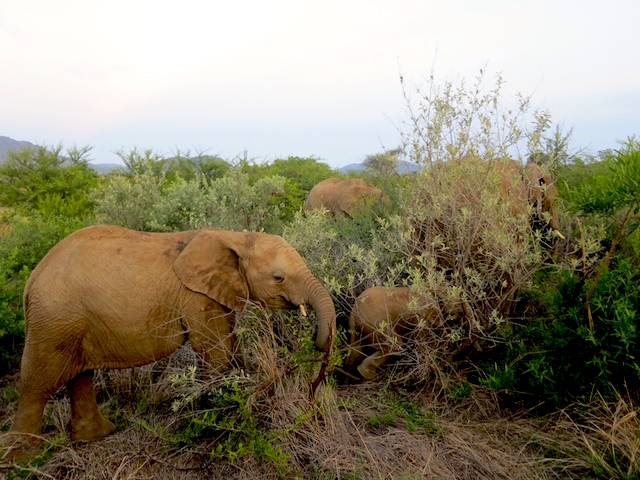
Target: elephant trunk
(320, 300)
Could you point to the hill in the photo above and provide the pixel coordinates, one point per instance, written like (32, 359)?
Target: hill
(7, 144)
(403, 167)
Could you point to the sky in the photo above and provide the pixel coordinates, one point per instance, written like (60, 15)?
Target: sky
(283, 78)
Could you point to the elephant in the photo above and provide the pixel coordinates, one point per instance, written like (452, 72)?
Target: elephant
(382, 316)
(110, 297)
(340, 197)
(536, 188)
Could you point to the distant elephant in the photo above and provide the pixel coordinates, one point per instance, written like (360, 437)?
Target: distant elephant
(110, 297)
(381, 317)
(536, 188)
(340, 197)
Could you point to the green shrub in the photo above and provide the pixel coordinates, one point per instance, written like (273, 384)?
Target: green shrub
(559, 359)
(129, 201)
(238, 204)
(147, 201)
(41, 177)
(183, 205)
(349, 255)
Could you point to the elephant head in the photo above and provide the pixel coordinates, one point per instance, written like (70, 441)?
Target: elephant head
(542, 195)
(110, 297)
(232, 268)
(533, 187)
(340, 197)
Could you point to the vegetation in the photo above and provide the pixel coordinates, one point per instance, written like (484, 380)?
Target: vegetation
(541, 380)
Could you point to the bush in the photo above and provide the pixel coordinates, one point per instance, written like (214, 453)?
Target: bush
(588, 341)
(349, 255)
(37, 176)
(143, 199)
(129, 201)
(238, 204)
(467, 234)
(559, 359)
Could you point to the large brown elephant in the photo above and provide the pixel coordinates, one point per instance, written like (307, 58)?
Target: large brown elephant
(340, 197)
(382, 316)
(110, 297)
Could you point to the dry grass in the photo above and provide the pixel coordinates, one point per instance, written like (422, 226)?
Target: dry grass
(361, 431)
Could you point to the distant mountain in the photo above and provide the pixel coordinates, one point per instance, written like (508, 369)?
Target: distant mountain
(403, 167)
(352, 167)
(104, 168)
(7, 144)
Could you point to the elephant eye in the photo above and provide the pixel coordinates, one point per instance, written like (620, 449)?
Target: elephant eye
(278, 277)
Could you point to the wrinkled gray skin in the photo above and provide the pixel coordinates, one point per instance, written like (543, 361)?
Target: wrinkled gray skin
(340, 197)
(109, 297)
(382, 316)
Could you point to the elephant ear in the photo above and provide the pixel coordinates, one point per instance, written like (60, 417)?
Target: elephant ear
(210, 265)
(535, 185)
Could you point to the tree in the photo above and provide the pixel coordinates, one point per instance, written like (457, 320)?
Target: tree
(211, 167)
(137, 162)
(384, 163)
(552, 151)
(306, 172)
(40, 174)
(186, 167)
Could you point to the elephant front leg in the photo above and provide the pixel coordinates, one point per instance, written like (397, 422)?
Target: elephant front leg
(213, 337)
(87, 423)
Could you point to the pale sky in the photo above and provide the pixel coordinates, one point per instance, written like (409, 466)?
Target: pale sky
(280, 77)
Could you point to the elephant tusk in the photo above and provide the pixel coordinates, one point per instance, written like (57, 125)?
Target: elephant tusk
(559, 234)
(302, 310)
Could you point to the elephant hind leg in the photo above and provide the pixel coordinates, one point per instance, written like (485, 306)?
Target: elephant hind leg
(40, 377)
(386, 345)
(370, 364)
(23, 441)
(87, 423)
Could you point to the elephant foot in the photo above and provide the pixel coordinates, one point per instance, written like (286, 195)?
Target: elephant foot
(367, 372)
(87, 429)
(369, 365)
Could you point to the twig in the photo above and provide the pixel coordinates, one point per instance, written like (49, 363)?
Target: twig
(321, 375)
(124, 461)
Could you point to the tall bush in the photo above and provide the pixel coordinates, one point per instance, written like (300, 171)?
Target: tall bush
(467, 230)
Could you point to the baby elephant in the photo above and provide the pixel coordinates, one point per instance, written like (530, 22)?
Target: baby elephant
(382, 316)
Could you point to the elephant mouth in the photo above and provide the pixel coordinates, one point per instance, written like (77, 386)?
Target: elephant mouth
(284, 303)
